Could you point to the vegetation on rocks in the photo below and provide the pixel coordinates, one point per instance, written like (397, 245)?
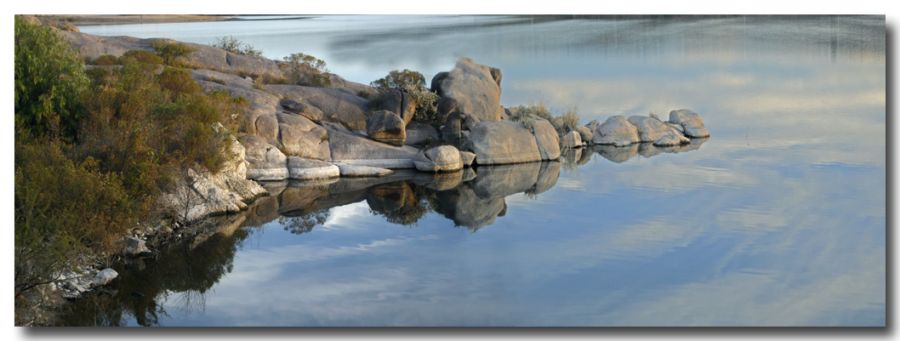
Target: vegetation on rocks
(304, 69)
(528, 114)
(232, 44)
(413, 84)
(96, 147)
(172, 53)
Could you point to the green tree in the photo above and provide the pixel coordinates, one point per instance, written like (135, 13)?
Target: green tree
(49, 82)
(412, 83)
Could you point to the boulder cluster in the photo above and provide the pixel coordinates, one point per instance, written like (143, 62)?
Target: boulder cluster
(305, 132)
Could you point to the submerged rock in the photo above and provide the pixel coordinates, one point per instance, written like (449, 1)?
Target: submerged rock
(616, 131)
(439, 159)
(690, 121)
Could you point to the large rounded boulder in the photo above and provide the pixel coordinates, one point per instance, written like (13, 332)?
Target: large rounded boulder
(616, 131)
(690, 121)
(386, 126)
(503, 142)
(474, 89)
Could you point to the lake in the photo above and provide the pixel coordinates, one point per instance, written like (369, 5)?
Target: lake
(778, 219)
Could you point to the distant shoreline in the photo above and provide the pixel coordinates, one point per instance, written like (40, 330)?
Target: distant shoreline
(123, 19)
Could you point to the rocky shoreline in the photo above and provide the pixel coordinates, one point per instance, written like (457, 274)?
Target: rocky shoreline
(296, 132)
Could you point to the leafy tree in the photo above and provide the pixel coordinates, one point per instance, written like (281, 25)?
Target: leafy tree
(49, 82)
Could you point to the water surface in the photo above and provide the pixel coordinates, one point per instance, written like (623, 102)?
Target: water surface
(777, 220)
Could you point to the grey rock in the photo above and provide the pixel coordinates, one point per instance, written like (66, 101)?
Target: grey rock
(419, 134)
(474, 89)
(265, 162)
(336, 105)
(306, 169)
(302, 137)
(586, 134)
(500, 181)
(386, 126)
(690, 121)
(439, 159)
(348, 148)
(363, 171)
(503, 142)
(135, 247)
(467, 158)
(547, 139)
(616, 131)
(571, 140)
(650, 129)
(400, 103)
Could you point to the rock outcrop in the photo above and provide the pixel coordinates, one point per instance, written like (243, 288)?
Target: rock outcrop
(363, 171)
(336, 105)
(474, 89)
(301, 137)
(349, 148)
(306, 169)
(201, 193)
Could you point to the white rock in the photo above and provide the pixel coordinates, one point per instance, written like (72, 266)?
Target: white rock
(105, 276)
(439, 159)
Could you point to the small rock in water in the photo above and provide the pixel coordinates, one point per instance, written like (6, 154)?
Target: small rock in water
(105, 276)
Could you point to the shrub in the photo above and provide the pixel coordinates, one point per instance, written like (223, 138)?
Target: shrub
(106, 60)
(304, 69)
(142, 56)
(171, 52)
(49, 82)
(412, 83)
(527, 114)
(569, 121)
(178, 81)
(63, 209)
(232, 44)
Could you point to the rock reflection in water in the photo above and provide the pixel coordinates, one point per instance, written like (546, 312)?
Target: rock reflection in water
(184, 271)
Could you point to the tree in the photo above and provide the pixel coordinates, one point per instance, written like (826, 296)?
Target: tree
(49, 83)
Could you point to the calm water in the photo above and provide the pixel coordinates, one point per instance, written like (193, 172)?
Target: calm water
(778, 219)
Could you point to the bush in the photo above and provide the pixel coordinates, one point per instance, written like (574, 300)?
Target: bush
(412, 83)
(527, 114)
(172, 53)
(232, 44)
(106, 60)
(304, 69)
(178, 81)
(142, 56)
(63, 209)
(49, 82)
